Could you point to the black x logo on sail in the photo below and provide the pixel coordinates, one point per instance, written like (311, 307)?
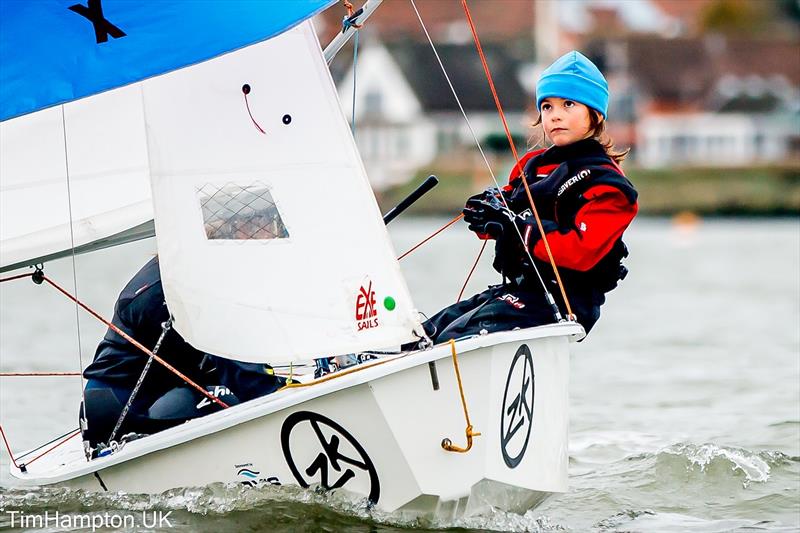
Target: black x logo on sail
(102, 27)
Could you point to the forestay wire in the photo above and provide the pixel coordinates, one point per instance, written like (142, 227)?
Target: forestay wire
(483, 154)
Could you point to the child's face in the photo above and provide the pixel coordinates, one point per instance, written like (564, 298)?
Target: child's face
(564, 121)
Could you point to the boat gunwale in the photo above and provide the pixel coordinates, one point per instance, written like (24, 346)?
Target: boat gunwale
(272, 403)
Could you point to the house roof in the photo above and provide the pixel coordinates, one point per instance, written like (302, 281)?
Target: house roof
(671, 69)
(687, 71)
(397, 20)
(463, 65)
(763, 57)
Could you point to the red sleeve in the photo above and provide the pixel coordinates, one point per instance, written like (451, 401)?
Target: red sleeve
(600, 223)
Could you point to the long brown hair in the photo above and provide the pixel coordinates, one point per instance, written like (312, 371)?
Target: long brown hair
(597, 128)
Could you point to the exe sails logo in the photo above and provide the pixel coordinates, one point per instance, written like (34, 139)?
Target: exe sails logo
(366, 310)
(366, 306)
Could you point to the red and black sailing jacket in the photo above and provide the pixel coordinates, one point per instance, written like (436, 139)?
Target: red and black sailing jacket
(585, 203)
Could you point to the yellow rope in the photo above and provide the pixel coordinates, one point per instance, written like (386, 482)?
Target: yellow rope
(447, 444)
(339, 374)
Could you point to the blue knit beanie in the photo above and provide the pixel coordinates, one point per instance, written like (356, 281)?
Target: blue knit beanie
(573, 77)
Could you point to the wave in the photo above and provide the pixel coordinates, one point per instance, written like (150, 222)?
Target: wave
(213, 507)
(716, 460)
(682, 478)
(649, 520)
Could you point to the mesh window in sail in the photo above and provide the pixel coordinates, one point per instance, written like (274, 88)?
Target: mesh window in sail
(240, 212)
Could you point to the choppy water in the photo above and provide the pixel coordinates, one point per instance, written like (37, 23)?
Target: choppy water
(685, 398)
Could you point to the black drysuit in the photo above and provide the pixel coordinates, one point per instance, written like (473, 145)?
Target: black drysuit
(139, 312)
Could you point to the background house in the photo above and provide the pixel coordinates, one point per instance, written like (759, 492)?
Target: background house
(694, 84)
(704, 101)
(406, 115)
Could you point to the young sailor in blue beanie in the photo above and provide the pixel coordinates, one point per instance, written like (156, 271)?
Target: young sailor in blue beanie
(585, 204)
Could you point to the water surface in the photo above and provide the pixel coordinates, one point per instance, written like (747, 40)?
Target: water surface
(685, 398)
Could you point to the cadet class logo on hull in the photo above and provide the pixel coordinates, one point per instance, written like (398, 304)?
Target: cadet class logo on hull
(339, 459)
(516, 417)
(366, 310)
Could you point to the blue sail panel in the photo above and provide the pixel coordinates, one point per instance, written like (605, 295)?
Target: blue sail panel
(55, 51)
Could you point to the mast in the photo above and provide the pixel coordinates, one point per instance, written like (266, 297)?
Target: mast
(339, 41)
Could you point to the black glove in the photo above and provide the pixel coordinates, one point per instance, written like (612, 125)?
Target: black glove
(488, 215)
(488, 193)
(510, 257)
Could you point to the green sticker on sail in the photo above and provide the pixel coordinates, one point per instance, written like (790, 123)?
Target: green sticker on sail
(389, 303)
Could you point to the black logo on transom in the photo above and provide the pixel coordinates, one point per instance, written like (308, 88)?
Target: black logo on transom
(516, 418)
(341, 457)
(102, 27)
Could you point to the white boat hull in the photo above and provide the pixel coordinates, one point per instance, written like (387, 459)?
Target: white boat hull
(375, 433)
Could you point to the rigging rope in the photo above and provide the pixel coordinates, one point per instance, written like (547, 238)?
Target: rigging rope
(165, 327)
(549, 297)
(475, 264)
(28, 374)
(245, 91)
(22, 467)
(432, 235)
(13, 461)
(480, 149)
(20, 276)
(447, 444)
(48, 443)
(521, 171)
(141, 347)
(352, 15)
(77, 432)
(122, 334)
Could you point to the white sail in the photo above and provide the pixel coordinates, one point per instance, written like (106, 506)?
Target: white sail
(271, 245)
(101, 142)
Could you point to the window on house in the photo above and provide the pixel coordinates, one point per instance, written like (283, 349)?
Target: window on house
(373, 103)
(401, 143)
(759, 142)
(679, 145)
